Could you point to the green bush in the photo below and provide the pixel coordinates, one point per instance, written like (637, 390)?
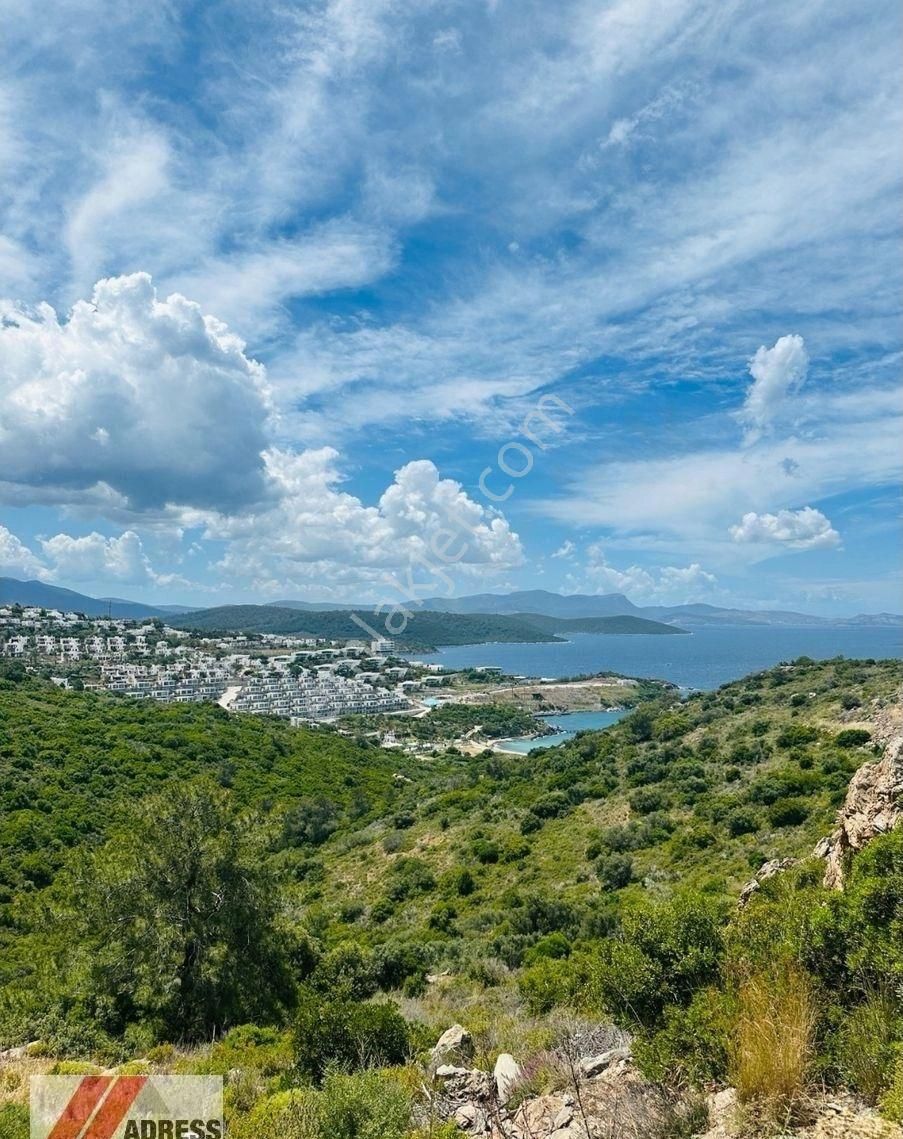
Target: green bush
(615, 871)
(852, 737)
(691, 1047)
(892, 1103)
(867, 1046)
(346, 969)
(788, 812)
(347, 1035)
(14, 1121)
(797, 735)
(663, 953)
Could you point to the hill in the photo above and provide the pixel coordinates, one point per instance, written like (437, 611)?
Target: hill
(627, 624)
(598, 878)
(540, 601)
(44, 596)
(425, 630)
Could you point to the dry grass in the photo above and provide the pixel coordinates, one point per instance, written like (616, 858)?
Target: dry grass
(773, 1041)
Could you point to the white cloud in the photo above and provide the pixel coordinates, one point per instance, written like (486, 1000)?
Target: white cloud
(16, 560)
(777, 373)
(688, 501)
(146, 401)
(312, 528)
(565, 550)
(95, 557)
(663, 584)
(806, 529)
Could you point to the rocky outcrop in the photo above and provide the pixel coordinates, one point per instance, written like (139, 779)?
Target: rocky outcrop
(453, 1046)
(604, 1095)
(767, 870)
(873, 806)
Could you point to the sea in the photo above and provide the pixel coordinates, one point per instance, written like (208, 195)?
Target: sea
(706, 658)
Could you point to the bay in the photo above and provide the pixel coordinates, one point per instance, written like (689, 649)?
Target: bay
(708, 657)
(567, 725)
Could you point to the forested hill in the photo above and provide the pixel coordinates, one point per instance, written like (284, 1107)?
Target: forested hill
(424, 629)
(626, 624)
(70, 762)
(598, 878)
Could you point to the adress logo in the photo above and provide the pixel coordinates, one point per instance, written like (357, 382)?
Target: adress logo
(127, 1107)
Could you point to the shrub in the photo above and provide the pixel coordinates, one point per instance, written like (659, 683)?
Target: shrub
(662, 955)
(866, 1046)
(692, 1044)
(742, 820)
(892, 1104)
(773, 1039)
(646, 800)
(554, 945)
(485, 852)
(411, 876)
(547, 984)
(367, 1105)
(615, 871)
(797, 735)
(788, 812)
(346, 969)
(347, 1035)
(14, 1117)
(852, 737)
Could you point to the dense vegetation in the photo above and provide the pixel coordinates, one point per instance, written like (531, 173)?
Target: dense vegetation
(600, 876)
(423, 630)
(618, 624)
(451, 721)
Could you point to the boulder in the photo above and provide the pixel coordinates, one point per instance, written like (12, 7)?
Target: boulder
(873, 806)
(506, 1073)
(455, 1043)
(591, 1066)
(766, 870)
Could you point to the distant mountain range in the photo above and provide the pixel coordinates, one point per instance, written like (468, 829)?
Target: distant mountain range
(39, 593)
(519, 604)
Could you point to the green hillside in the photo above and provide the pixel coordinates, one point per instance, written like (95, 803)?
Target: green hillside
(170, 873)
(625, 624)
(425, 630)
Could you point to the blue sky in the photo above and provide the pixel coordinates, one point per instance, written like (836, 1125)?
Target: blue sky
(282, 284)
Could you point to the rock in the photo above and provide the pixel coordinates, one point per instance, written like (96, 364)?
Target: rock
(450, 1072)
(873, 806)
(722, 1114)
(455, 1043)
(563, 1118)
(15, 1053)
(471, 1118)
(536, 1117)
(767, 870)
(506, 1073)
(591, 1066)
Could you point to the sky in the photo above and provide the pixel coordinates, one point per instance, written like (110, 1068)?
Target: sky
(378, 299)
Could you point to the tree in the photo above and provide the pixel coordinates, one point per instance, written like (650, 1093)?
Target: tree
(174, 922)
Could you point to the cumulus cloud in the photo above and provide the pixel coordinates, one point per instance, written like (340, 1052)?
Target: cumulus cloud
(16, 560)
(806, 529)
(777, 372)
(135, 399)
(95, 557)
(670, 584)
(313, 528)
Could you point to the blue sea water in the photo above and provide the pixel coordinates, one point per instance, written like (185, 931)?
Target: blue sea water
(568, 724)
(708, 657)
